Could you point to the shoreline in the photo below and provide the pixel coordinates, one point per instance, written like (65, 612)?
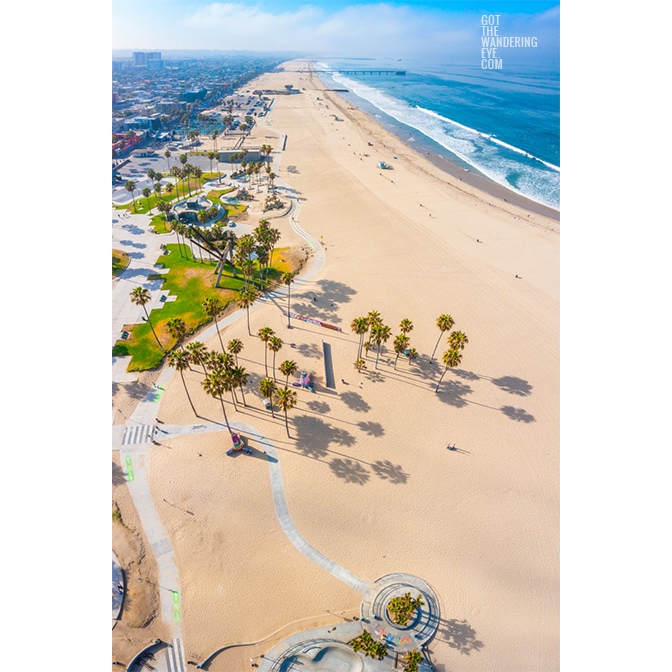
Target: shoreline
(444, 164)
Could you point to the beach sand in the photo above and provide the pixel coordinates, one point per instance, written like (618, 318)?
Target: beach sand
(367, 476)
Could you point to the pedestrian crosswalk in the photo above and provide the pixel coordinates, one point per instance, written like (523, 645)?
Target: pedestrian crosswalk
(175, 656)
(138, 434)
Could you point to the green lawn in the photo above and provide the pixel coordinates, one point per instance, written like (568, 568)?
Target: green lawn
(192, 281)
(119, 262)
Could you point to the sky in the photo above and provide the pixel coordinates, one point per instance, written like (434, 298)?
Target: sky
(441, 28)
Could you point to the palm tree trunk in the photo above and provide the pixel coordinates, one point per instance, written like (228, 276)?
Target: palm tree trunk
(226, 420)
(243, 393)
(248, 321)
(436, 346)
(188, 396)
(440, 379)
(274, 367)
(266, 359)
(152, 328)
(270, 401)
(289, 291)
(377, 355)
(233, 396)
(220, 336)
(396, 359)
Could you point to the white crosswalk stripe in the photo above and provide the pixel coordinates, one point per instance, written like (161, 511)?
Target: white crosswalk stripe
(135, 434)
(175, 656)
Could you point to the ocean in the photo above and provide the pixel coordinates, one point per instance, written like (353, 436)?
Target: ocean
(503, 125)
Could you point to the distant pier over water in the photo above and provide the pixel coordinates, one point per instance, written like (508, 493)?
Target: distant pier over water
(366, 72)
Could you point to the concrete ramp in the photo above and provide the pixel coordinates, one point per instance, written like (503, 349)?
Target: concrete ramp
(328, 366)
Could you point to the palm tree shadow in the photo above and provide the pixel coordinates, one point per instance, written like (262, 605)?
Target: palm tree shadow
(314, 436)
(517, 414)
(452, 392)
(118, 475)
(319, 406)
(371, 428)
(385, 470)
(459, 635)
(355, 401)
(350, 471)
(514, 385)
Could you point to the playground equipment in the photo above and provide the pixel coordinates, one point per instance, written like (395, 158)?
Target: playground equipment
(304, 381)
(238, 444)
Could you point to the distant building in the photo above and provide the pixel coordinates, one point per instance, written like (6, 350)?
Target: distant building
(156, 64)
(143, 57)
(137, 123)
(193, 95)
(168, 106)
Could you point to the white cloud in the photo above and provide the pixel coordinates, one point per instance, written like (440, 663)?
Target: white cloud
(375, 29)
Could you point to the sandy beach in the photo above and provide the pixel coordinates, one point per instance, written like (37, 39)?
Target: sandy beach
(367, 475)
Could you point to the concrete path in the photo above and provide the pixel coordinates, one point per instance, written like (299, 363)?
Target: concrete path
(136, 442)
(286, 523)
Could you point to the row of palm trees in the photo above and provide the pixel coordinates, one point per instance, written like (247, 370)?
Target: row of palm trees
(380, 333)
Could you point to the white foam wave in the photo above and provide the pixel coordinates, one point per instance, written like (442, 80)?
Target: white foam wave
(490, 137)
(475, 148)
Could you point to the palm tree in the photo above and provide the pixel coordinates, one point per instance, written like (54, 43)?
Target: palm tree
(213, 307)
(229, 382)
(287, 279)
(374, 318)
(451, 359)
(219, 361)
(274, 345)
(265, 334)
(286, 400)
(360, 364)
(234, 346)
(360, 325)
(406, 326)
(457, 340)
(141, 297)
(400, 344)
(211, 156)
(412, 354)
(167, 155)
(179, 359)
(178, 329)
(198, 173)
(245, 300)
(198, 353)
(176, 172)
(413, 660)
(444, 323)
(240, 377)
(367, 345)
(146, 192)
(130, 187)
(287, 368)
(213, 384)
(267, 390)
(380, 335)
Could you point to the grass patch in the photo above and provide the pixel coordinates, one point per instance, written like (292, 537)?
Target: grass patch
(119, 261)
(192, 281)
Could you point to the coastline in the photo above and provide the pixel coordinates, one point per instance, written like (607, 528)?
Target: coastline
(468, 177)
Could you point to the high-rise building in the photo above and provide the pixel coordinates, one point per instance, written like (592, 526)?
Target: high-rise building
(142, 57)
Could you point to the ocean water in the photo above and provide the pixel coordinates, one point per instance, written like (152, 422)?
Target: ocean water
(501, 124)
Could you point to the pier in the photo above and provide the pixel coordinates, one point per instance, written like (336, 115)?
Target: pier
(366, 72)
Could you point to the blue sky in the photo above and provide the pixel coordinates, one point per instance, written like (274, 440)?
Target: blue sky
(440, 28)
